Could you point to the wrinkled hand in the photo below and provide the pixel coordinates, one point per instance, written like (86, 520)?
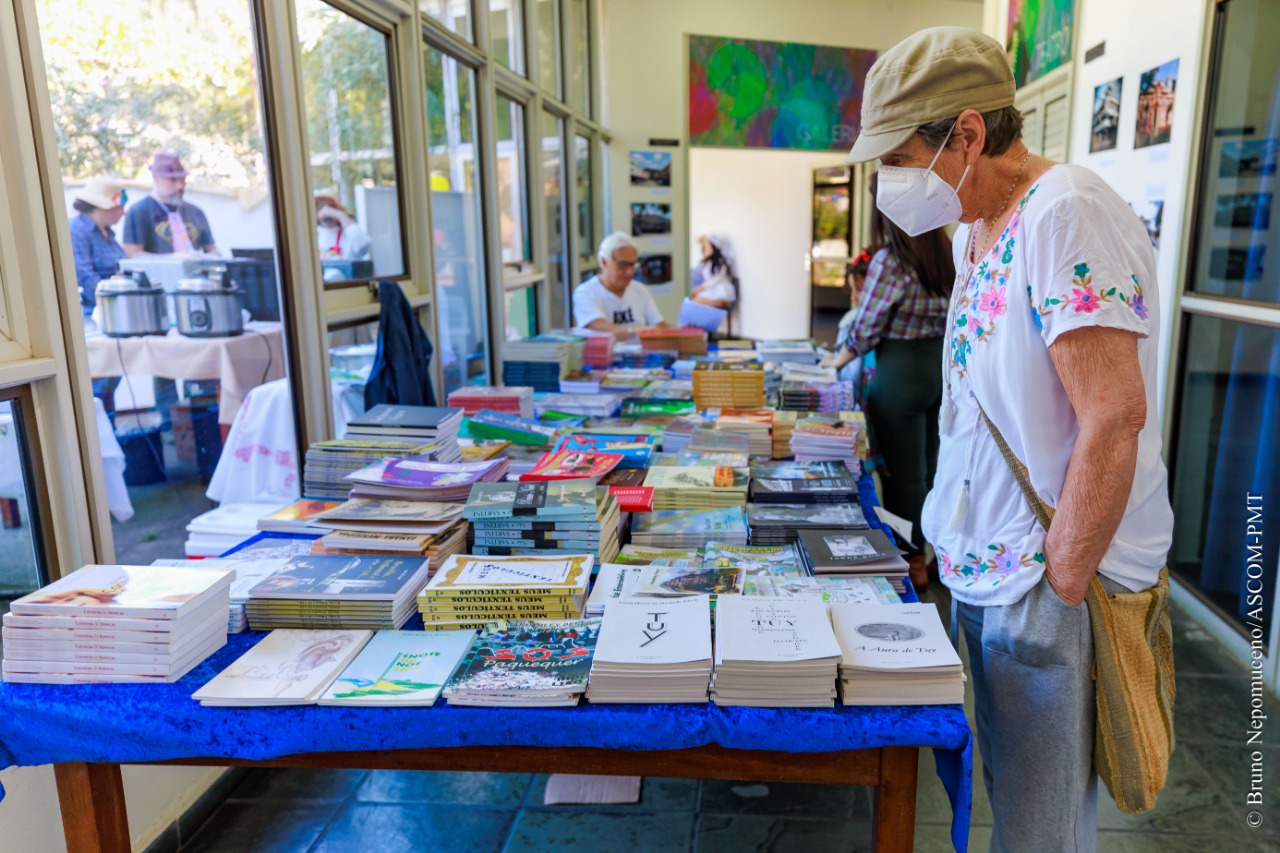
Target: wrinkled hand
(1070, 590)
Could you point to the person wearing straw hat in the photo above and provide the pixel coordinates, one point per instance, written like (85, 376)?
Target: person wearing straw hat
(163, 223)
(99, 205)
(1052, 333)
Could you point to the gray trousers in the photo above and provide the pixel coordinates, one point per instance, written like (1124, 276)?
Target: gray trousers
(1031, 664)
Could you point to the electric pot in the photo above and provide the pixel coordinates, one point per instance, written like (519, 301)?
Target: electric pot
(131, 306)
(207, 308)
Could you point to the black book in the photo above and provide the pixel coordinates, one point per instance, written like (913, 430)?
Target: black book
(792, 516)
(827, 490)
(835, 549)
(407, 420)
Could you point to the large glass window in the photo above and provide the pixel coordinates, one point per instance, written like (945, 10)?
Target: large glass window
(461, 303)
(553, 201)
(583, 162)
(455, 15)
(22, 548)
(576, 53)
(513, 218)
(547, 38)
(346, 67)
(506, 32)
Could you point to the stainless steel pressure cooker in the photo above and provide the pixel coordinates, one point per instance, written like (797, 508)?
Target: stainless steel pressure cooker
(208, 308)
(131, 306)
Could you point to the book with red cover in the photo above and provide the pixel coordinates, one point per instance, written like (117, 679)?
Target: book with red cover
(633, 498)
(571, 465)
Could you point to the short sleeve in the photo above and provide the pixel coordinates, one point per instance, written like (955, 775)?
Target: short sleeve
(586, 307)
(1086, 267)
(205, 237)
(652, 316)
(133, 225)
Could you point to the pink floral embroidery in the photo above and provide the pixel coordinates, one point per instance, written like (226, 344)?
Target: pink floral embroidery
(994, 302)
(1084, 299)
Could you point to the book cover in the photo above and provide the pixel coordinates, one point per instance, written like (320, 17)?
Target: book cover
(341, 578)
(670, 580)
(421, 472)
(694, 477)
(634, 450)
(677, 630)
(623, 477)
(549, 575)
(892, 637)
(297, 513)
(789, 470)
(480, 449)
(781, 560)
(396, 417)
(571, 465)
(517, 429)
(702, 522)
(534, 657)
(646, 555)
(633, 498)
(843, 548)
(290, 666)
(138, 592)
(633, 406)
(806, 515)
(370, 509)
(557, 498)
(399, 668)
(770, 629)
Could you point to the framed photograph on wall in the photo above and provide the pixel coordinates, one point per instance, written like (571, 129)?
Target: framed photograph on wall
(650, 168)
(649, 218)
(1157, 90)
(1106, 116)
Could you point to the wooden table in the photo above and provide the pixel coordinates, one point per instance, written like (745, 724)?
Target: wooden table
(94, 819)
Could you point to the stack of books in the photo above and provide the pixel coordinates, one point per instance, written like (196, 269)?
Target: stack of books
(582, 382)
(517, 430)
(709, 439)
(650, 652)
(668, 389)
(634, 450)
(778, 524)
(296, 517)
(399, 669)
(647, 555)
(512, 399)
(247, 575)
(541, 361)
(675, 437)
(691, 458)
(697, 487)
(788, 352)
(777, 652)
(728, 385)
(756, 424)
(372, 515)
(571, 465)
(117, 624)
(480, 449)
(328, 463)
(597, 347)
(840, 437)
(896, 655)
(559, 517)
(588, 405)
(429, 424)
(365, 591)
(647, 425)
(816, 395)
(689, 528)
(526, 664)
(435, 548)
(469, 592)
(854, 553)
(637, 407)
(802, 483)
(765, 568)
(217, 531)
(288, 667)
(420, 478)
(685, 341)
(783, 425)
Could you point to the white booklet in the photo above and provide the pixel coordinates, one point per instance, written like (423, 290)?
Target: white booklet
(892, 636)
(291, 666)
(770, 629)
(666, 631)
(400, 668)
(138, 592)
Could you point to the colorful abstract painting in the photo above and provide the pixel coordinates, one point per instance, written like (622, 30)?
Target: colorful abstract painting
(1039, 40)
(766, 94)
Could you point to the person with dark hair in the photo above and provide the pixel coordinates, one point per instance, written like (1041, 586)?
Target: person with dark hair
(100, 205)
(713, 281)
(902, 314)
(163, 223)
(855, 276)
(1050, 482)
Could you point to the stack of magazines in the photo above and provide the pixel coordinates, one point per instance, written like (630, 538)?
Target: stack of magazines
(816, 395)
(802, 483)
(728, 385)
(689, 528)
(648, 555)
(420, 478)
(675, 437)
(756, 424)
(512, 399)
(541, 361)
(697, 487)
(329, 462)
(288, 667)
(571, 465)
(469, 592)
(896, 655)
(247, 574)
(784, 423)
(117, 623)
(775, 652)
(356, 591)
(775, 524)
(635, 450)
(788, 352)
(650, 652)
(429, 424)
(557, 517)
(838, 437)
(296, 517)
(526, 664)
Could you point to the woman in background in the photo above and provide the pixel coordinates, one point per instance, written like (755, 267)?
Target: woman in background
(339, 235)
(99, 206)
(902, 314)
(713, 280)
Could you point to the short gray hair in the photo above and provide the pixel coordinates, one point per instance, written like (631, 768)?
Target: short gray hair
(1004, 127)
(615, 241)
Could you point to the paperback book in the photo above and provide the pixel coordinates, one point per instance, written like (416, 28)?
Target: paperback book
(571, 465)
(535, 663)
(288, 667)
(400, 668)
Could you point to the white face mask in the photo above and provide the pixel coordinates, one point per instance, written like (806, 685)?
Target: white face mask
(918, 200)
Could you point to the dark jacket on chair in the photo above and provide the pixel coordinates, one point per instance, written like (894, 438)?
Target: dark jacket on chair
(401, 371)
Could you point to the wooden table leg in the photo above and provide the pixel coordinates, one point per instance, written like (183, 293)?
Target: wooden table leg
(93, 814)
(894, 806)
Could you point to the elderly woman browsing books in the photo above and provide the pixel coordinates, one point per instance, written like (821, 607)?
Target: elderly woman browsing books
(1051, 335)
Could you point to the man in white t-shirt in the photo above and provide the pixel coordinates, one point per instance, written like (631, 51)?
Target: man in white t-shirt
(610, 301)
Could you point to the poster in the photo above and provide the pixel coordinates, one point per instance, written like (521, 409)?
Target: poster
(1156, 91)
(650, 168)
(1106, 116)
(1039, 37)
(766, 94)
(649, 218)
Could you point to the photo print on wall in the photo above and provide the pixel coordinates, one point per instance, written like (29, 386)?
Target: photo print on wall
(650, 168)
(1248, 158)
(654, 269)
(1156, 91)
(1150, 212)
(648, 218)
(1106, 116)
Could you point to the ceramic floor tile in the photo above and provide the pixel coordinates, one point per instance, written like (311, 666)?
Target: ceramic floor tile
(741, 833)
(656, 794)
(780, 798)
(498, 790)
(328, 785)
(1230, 766)
(263, 827)
(1190, 802)
(1215, 709)
(585, 831)
(1152, 842)
(397, 828)
(933, 838)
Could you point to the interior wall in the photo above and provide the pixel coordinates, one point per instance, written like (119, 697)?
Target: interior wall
(644, 64)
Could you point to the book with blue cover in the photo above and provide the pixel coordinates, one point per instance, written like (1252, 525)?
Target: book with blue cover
(634, 450)
(343, 578)
(567, 499)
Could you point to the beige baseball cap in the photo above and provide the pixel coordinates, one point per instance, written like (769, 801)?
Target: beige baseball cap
(935, 74)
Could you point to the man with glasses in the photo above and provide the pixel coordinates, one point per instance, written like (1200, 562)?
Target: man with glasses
(610, 301)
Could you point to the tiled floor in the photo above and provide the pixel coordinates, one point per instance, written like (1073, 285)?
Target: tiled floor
(1203, 807)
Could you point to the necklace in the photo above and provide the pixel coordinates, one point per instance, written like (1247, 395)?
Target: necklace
(1008, 196)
